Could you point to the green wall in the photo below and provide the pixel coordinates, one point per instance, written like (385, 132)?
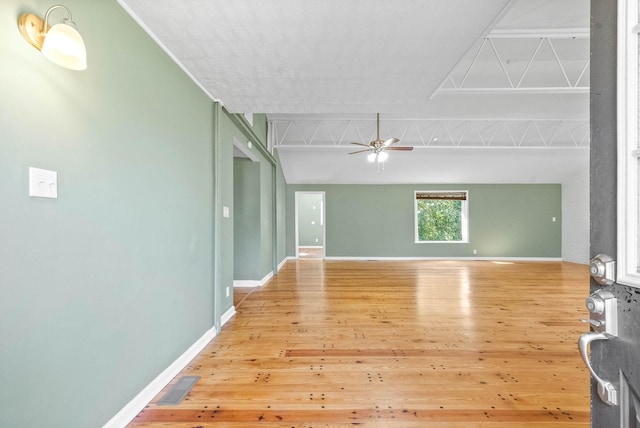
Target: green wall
(266, 219)
(506, 220)
(104, 287)
(281, 216)
(259, 216)
(260, 128)
(246, 219)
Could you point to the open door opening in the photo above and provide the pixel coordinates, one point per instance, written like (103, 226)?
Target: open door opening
(310, 225)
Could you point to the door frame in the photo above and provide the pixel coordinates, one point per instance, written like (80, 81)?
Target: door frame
(323, 217)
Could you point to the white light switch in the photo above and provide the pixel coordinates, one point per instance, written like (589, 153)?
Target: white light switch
(43, 183)
(225, 211)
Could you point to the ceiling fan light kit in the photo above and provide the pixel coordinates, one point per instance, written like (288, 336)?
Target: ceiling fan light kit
(379, 147)
(377, 157)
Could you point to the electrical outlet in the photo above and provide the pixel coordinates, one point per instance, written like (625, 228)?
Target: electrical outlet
(227, 291)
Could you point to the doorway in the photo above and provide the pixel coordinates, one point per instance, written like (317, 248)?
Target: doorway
(310, 225)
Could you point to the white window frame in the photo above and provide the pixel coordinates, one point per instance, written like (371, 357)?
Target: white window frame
(465, 217)
(628, 148)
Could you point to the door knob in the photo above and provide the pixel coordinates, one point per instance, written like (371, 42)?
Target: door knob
(606, 391)
(603, 311)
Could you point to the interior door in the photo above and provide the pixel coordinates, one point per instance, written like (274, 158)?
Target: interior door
(310, 224)
(614, 350)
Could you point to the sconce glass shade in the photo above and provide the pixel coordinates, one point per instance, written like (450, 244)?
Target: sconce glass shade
(63, 45)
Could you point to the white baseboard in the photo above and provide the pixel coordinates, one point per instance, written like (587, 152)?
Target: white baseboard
(497, 259)
(282, 263)
(245, 283)
(135, 406)
(239, 283)
(266, 278)
(227, 315)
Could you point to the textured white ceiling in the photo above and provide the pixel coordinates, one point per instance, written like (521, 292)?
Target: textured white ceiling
(546, 14)
(316, 60)
(318, 56)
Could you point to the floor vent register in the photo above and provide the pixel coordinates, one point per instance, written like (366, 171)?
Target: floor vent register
(180, 390)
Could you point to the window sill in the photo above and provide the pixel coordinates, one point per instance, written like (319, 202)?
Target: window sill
(441, 242)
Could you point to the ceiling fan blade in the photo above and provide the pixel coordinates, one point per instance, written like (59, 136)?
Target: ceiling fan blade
(390, 141)
(404, 148)
(378, 146)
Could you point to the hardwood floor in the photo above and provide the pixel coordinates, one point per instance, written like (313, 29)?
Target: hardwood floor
(396, 344)
(311, 253)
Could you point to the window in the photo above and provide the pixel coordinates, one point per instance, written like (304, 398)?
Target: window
(441, 216)
(628, 271)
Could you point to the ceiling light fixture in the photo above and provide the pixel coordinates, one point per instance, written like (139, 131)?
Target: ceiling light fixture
(379, 156)
(61, 43)
(378, 148)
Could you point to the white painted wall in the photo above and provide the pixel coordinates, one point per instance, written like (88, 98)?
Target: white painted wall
(575, 218)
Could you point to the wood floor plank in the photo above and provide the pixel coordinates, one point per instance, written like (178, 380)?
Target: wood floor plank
(395, 344)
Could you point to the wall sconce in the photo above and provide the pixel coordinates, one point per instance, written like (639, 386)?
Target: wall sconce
(61, 43)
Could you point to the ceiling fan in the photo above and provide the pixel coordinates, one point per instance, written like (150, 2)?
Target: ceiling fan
(378, 147)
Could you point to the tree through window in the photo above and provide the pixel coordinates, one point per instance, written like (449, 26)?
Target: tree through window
(441, 216)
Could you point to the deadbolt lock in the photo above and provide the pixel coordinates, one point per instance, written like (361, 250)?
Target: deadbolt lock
(603, 269)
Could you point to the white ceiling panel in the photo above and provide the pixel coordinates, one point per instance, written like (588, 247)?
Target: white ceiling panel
(486, 90)
(319, 56)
